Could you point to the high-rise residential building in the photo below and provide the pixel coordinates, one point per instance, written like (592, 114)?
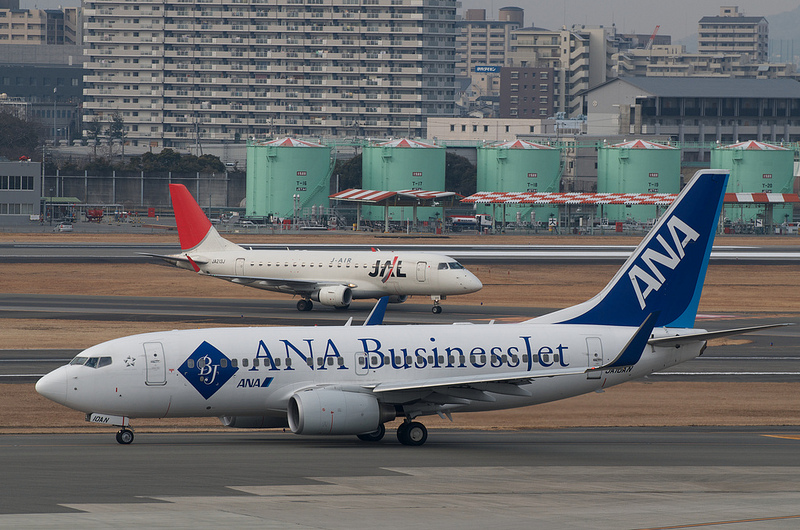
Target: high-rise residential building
(181, 72)
(39, 26)
(527, 92)
(581, 58)
(733, 33)
(482, 47)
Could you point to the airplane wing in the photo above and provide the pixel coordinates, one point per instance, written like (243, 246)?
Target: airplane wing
(284, 284)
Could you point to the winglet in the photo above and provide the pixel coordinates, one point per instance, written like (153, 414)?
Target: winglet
(375, 317)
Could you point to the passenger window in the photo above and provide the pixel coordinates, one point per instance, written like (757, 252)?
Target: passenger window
(310, 362)
(320, 362)
(256, 363)
(244, 363)
(341, 361)
(190, 363)
(223, 363)
(330, 361)
(277, 362)
(234, 363)
(288, 363)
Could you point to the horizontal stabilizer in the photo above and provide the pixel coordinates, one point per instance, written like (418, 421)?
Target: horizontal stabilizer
(708, 335)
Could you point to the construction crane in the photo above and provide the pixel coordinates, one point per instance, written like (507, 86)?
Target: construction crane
(652, 38)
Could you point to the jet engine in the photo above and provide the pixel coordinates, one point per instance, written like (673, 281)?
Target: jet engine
(397, 298)
(335, 295)
(253, 422)
(316, 411)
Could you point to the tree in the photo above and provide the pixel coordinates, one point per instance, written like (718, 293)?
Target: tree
(349, 171)
(18, 137)
(93, 131)
(460, 175)
(116, 130)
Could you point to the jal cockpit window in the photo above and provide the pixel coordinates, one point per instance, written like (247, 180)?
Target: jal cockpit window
(455, 265)
(442, 266)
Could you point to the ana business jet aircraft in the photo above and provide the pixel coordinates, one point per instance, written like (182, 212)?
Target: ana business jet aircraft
(333, 278)
(354, 379)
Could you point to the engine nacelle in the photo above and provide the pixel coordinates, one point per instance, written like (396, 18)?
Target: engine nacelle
(397, 298)
(324, 411)
(335, 295)
(253, 422)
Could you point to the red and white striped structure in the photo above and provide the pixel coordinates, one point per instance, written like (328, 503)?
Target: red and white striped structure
(657, 199)
(752, 145)
(291, 142)
(519, 144)
(405, 142)
(640, 144)
(761, 198)
(378, 196)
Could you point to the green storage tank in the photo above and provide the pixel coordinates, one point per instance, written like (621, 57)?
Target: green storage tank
(515, 167)
(637, 166)
(756, 167)
(280, 169)
(398, 165)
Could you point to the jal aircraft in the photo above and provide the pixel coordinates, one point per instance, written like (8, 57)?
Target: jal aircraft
(333, 278)
(352, 380)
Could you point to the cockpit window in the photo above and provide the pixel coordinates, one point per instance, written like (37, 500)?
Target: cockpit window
(442, 266)
(91, 362)
(455, 265)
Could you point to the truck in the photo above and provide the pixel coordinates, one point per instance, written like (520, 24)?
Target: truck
(470, 222)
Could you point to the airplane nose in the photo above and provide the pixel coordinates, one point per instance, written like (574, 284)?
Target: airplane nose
(53, 386)
(473, 284)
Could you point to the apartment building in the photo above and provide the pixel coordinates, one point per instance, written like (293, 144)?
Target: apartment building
(39, 26)
(581, 58)
(527, 92)
(182, 72)
(482, 46)
(733, 33)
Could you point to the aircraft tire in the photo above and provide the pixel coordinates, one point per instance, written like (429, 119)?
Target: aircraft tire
(413, 434)
(436, 309)
(125, 436)
(304, 305)
(375, 436)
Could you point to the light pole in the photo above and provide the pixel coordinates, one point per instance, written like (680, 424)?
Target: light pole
(55, 89)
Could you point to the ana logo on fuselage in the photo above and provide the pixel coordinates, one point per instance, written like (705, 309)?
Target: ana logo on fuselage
(682, 234)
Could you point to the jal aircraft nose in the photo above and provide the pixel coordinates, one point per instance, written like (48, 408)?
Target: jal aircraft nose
(53, 386)
(472, 284)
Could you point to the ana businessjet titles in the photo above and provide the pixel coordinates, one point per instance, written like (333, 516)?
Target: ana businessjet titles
(332, 278)
(354, 379)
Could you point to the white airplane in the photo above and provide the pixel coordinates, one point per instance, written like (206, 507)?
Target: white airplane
(333, 278)
(352, 380)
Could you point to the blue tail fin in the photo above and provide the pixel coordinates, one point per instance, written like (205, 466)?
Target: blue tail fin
(665, 273)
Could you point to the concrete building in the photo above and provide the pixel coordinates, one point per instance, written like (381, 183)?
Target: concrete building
(527, 92)
(733, 33)
(483, 45)
(581, 58)
(39, 26)
(44, 83)
(182, 73)
(20, 188)
(674, 61)
(488, 129)
(696, 109)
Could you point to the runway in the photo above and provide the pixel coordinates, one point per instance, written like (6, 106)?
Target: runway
(576, 478)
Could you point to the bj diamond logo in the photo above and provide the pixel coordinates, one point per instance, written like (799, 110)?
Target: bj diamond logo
(207, 369)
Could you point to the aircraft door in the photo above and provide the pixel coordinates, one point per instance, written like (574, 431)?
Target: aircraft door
(422, 267)
(239, 271)
(156, 367)
(594, 349)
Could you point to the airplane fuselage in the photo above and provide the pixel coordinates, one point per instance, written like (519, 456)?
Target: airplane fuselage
(371, 274)
(255, 371)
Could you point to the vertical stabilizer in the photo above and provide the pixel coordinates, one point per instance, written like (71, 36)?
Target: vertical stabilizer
(194, 229)
(665, 273)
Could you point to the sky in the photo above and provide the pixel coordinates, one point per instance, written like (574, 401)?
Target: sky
(677, 18)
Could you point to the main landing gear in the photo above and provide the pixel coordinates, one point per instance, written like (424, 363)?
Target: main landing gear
(304, 304)
(412, 433)
(408, 433)
(125, 436)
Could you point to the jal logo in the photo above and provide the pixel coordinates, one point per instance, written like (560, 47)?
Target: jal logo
(207, 369)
